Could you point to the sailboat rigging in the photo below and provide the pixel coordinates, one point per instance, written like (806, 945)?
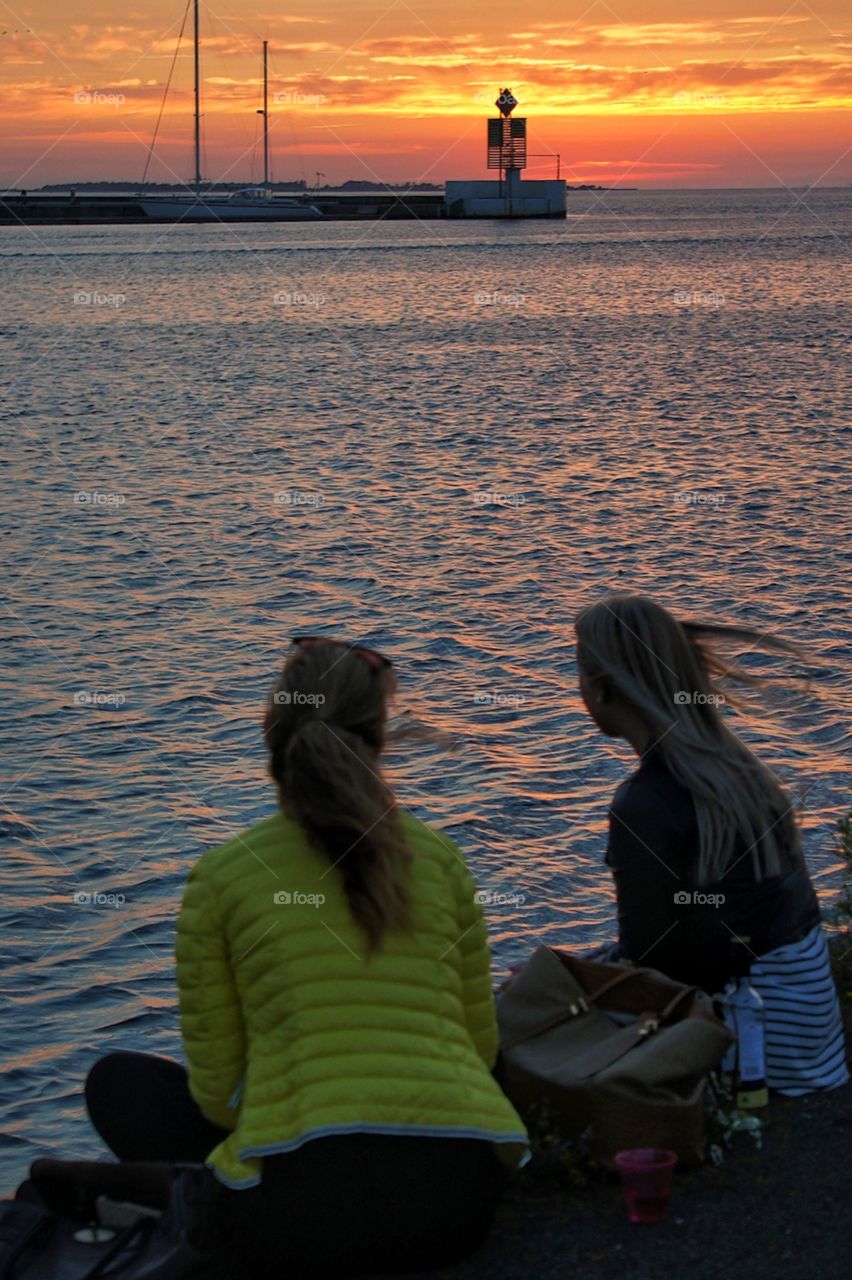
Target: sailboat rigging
(250, 204)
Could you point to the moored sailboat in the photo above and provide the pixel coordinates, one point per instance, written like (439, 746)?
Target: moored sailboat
(249, 204)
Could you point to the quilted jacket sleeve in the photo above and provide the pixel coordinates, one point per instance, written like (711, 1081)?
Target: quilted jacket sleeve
(210, 1014)
(478, 991)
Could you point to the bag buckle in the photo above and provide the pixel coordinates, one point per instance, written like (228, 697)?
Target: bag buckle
(649, 1026)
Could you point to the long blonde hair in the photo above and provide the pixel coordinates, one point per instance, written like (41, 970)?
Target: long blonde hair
(325, 732)
(674, 677)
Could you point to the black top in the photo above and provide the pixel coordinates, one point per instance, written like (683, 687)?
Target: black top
(653, 854)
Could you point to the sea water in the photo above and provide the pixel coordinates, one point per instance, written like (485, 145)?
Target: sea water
(442, 438)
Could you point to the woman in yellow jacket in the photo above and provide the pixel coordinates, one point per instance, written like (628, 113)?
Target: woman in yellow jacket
(336, 1011)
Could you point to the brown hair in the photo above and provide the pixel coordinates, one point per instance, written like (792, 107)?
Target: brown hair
(325, 732)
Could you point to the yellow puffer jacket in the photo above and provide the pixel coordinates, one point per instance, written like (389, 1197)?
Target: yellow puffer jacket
(292, 1033)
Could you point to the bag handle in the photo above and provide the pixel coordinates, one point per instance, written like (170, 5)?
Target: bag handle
(582, 1006)
(675, 1001)
(574, 1009)
(618, 980)
(626, 975)
(666, 1012)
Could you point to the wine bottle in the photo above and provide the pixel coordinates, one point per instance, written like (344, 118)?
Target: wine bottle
(745, 1017)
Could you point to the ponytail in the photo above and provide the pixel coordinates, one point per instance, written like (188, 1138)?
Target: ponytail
(324, 730)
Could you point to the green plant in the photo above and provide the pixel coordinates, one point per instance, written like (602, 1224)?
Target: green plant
(724, 1122)
(840, 939)
(844, 848)
(557, 1156)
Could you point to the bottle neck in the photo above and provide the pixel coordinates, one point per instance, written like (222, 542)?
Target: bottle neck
(740, 961)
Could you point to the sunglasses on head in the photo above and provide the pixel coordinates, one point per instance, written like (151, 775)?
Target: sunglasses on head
(375, 659)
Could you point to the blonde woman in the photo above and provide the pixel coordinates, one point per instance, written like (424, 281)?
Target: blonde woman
(703, 841)
(336, 1011)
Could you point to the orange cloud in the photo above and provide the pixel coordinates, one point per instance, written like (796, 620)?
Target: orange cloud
(404, 83)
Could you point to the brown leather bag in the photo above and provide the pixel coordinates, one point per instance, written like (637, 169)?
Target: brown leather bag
(618, 1048)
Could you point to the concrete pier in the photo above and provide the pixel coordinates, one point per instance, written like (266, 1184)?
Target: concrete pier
(502, 199)
(61, 208)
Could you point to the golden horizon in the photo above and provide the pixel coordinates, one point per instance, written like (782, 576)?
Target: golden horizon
(390, 94)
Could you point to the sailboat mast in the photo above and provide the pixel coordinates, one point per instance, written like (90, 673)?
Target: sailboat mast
(197, 106)
(265, 115)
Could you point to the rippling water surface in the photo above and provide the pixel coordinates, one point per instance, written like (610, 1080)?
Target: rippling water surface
(440, 438)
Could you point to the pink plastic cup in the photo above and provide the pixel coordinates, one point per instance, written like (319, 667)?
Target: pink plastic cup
(646, 1176)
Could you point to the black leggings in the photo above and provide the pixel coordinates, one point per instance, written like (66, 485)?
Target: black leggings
(341, 1206)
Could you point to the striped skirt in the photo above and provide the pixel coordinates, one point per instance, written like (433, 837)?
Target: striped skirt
(805, 1044)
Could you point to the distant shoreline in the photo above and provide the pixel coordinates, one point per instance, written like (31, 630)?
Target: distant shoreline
(114, 187)
(166, 188)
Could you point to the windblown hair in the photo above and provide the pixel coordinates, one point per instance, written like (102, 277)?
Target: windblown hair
(325, 733)
(674, 676)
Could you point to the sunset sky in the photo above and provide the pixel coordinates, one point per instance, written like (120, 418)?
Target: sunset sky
(751, 94)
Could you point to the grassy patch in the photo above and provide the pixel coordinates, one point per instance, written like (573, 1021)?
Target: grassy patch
(840, 942)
